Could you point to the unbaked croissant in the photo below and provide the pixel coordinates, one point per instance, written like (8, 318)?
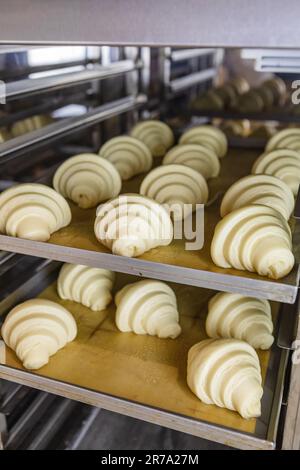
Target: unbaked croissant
(30, 124)
(2, 352)
(148, 307)
(195, 156)
(175, 185)
(240, 317)
(129, 155)
(157, 135)
(250, 102)
(87, 180)
(254, 238)
(89, 286)
(37, 329)
(131, 224)
(226, 373)
(32, 211)
(285, 139)
(259, 189)
(208, 136)
(282, 163)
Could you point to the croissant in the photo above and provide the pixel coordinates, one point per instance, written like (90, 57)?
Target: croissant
(129, 155)
(148, 307)
(32, 211)
(156, 135)
(4, 135)
(2, 352)
(209, 101)
(259, 189)
(282, 163)
(87, 180)
(240, 84)
(89, 286)
(197, 157)
(226, 373)
(284, 139)
(240, 317)
(251, 102)
(30, 124)
(131, 224)
(37, 329)
(175, 185)
(208, 136)
(254, 238)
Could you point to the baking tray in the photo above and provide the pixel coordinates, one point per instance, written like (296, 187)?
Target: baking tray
(78, 244)
(142, 376)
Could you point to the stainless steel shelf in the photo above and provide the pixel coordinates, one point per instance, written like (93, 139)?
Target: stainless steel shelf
(196, 23)
(264, 431)
(37, 86)
(58, 130)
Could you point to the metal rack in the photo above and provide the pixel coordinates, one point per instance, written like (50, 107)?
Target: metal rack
(263, 435)
(191, 28)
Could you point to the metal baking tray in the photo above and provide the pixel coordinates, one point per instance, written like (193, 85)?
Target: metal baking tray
(142, 376)
(77, 243)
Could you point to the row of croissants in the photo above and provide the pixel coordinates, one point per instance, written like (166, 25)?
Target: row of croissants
(223, 370)
(253, 234)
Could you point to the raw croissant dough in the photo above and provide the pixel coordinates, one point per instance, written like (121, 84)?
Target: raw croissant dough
(87, 180)
(32, 211)
(259, 189)
(240, 317)
(89, 286)
(282, 163)
(226, 373)
(284, 139)
(197, 157)
(131, 224)
(148, 307)
(208, 136)
(157, 135)
(254, 238)
(175, 185)
(37, 329)
(129, 155)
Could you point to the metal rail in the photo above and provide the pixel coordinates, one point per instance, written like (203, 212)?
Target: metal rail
(30, 87)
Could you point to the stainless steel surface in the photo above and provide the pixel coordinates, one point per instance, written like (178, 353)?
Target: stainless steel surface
(179, 84)
(53, 132)
(282, 115)
(169, 23)
(282, 291)
(266, 428)
(37, 86)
